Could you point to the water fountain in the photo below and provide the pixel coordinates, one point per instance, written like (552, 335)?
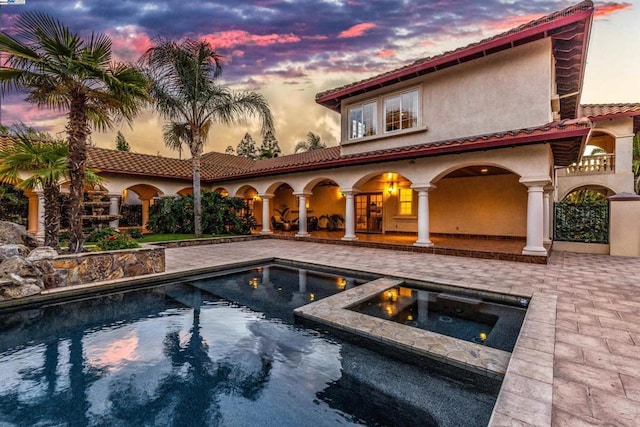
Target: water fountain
(98, 218)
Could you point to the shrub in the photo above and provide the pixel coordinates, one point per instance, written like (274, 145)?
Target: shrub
(135, 232)
(100, 233)
(220, 215)
(117, 241)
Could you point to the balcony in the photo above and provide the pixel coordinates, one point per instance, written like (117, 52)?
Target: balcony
(594, 164)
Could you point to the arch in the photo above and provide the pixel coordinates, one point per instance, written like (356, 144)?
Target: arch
(222, 191)
(185, 191)
(246, 192)
(474, 168)
(274, 186)
(602, 139)
(145, 191)
(605, 190)
(478, 198)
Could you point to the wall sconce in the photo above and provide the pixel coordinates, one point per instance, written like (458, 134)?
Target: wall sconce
(256, 197)
(391, 189)
(306, 205)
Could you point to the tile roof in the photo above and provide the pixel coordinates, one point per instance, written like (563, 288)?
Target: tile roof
(114, 161)
(569, 29)
(608, 111)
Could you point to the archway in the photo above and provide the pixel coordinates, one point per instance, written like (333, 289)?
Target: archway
(185, 191)
(250, 196)
(325, 205)
(136, 201)
(479, 200)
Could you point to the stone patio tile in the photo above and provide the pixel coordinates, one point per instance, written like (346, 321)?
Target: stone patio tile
(621, 411)
(631, 386)
(626, 350)
(531, 370)
(579, 317)
(563, 418)
(567, 325)
(571, 396)
(581, 340)
(620, 324)
(608, 361)
(528, 387)
(589, 376)
(566, 306)
(530, 411)
(533, 356)
(498, 419)
(606, 333)
(598, 312)
(540, 345)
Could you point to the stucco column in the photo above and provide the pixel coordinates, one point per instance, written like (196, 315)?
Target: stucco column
(350, 216)
(145, 212)
(423, 215)
(546, 206)
(32, 219)
(40, 226)
(266, 213)
(114, 209)
(302, 214)
(535, 215)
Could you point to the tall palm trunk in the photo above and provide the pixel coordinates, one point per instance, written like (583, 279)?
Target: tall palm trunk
(51, 215)
(196, 152)
(77, 130)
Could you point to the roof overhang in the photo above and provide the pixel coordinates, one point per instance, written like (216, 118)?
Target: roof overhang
(566, 140)
(569, 30)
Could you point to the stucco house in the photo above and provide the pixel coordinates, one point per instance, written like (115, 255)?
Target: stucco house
(473, 143)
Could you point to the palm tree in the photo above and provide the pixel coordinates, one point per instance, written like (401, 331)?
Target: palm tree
(636, 161)
(311, 143)
(45, 160)
(183, 85)
(61, 71)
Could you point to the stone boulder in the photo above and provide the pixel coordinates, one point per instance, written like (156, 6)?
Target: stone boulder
(20, 278)
(42, 253)
(14, 234)
(7, 251)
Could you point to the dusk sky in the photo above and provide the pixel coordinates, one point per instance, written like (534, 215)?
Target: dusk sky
(289, 50)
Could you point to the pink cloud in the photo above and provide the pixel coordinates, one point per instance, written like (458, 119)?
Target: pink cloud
(128, 43)
(607, 8)
(357, 30)
(386, 53)
(228, 39)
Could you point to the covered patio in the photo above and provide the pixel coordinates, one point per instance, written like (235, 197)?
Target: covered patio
(484, 247)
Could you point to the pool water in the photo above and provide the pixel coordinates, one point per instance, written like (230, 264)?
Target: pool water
(187, 354)
(457, 315)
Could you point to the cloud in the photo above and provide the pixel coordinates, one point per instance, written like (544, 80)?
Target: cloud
(607, 8)
(356, 30)
(233, 38)
(386, 53)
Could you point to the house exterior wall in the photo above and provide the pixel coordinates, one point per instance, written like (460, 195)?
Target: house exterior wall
(504, 91)
(619, 181)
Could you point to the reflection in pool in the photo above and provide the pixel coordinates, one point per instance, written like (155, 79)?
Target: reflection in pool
(182, 355)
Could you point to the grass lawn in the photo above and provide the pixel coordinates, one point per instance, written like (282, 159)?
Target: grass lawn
(151, 238)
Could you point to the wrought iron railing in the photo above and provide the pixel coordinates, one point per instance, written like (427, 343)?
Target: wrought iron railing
(597, 163)
(588, 223)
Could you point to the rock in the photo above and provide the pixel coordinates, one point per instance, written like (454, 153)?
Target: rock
(9, 250)
(21, 272)
(42, 253)
(14, 234)
(10, 290)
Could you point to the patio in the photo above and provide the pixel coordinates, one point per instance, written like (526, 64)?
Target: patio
(472, 247)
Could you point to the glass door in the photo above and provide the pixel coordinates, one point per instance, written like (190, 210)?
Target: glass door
(369, 213)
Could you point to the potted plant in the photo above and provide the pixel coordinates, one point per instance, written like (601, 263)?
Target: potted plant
(334, 221)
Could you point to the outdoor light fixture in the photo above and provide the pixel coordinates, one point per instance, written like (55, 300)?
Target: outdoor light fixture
(391, 189)
(484, 170)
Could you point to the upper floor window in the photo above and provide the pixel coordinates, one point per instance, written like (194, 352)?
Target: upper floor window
(401, 111)
(363, 120)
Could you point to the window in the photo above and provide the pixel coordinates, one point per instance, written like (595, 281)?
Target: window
(401, 111)
(406, 201)
(363, 120)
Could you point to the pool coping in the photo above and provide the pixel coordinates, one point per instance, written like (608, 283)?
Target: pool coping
(526, 391)
(334, 312)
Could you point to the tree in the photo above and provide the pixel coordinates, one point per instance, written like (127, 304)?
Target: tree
(45, 160)
(636, 162)
(247, 147)
(230, 150)
(269, 147)
(311, 143)
(121, 143)
(61, 71)
(185, 92)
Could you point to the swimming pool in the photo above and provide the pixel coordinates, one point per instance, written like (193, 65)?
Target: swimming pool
(214, 351)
